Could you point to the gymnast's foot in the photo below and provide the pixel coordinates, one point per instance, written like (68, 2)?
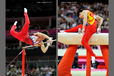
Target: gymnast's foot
(15, 23)
(25, 10)
(62, 31)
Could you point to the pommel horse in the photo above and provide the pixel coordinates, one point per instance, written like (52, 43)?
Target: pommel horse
(73, 40)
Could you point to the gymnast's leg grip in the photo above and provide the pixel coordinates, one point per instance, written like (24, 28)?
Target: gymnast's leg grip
(74, 29)
(68, 74)
(65, 65)
(88, 47)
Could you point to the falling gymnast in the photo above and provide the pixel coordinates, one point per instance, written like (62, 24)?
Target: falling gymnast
(35, 40)
(87, 30)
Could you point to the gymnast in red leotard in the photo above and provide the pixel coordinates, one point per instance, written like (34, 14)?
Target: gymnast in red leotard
(36, 39)
(88, 31)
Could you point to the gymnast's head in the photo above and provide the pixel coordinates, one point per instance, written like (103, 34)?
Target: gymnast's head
(81, 12)
(41, 35)
(46, 33)
(81, 15)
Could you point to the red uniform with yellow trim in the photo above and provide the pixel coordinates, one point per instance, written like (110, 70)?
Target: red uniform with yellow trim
(89, 31)
(91, 18)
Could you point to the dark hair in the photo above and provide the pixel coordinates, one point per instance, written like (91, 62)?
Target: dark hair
(79, 12)
(83, 8)
(45, 32)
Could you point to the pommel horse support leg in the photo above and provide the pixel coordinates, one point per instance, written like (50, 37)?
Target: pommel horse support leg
(105, 53)
(65, 65)
(101, 39)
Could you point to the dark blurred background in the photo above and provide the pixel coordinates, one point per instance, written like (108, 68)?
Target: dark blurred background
(14, 8)
(81, 1)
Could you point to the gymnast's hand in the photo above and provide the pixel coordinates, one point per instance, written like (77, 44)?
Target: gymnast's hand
(50, 40)
(48, 44)
(98, 30)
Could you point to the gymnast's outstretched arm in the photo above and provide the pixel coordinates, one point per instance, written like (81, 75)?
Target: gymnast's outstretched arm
(43, 48)
(43, 35)
(100, 20)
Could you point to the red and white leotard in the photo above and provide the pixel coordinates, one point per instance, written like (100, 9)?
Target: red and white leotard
(34, 39)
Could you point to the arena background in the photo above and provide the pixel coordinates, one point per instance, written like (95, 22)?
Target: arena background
(42, 14)
(68, 18)
(3, 42)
